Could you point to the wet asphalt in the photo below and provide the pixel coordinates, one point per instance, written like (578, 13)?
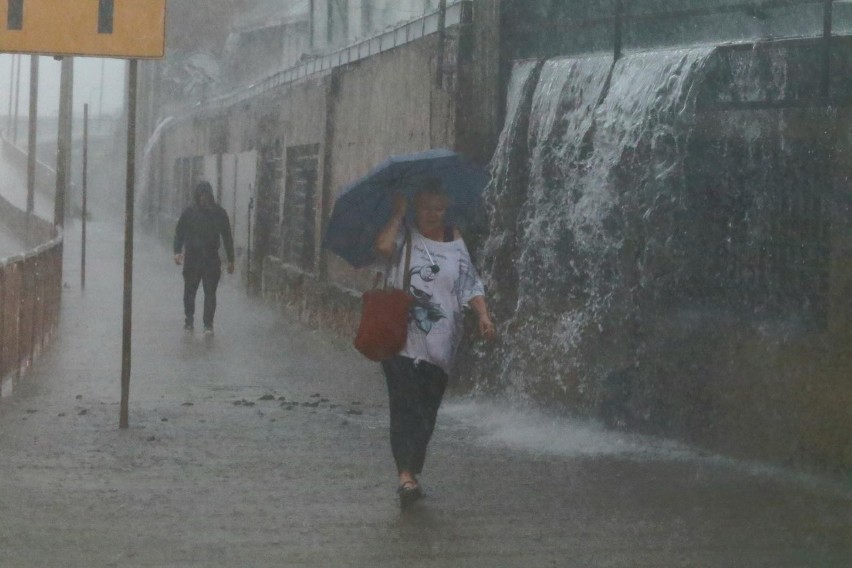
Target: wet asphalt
(266, 445)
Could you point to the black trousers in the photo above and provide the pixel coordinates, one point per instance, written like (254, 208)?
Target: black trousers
(208, 275)
(415, 391)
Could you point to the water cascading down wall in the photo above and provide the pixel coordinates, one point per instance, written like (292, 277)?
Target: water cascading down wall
(668, 246)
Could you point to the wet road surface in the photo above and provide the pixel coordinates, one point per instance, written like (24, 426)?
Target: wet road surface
(266, 445)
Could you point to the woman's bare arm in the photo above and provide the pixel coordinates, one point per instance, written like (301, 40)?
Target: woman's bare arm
(486, 326)
(384, 244)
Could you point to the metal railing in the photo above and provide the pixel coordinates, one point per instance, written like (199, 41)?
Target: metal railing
(30, 289)
(574, 27)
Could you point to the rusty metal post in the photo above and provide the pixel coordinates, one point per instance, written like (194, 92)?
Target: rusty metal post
(66, 89)
(248, 240)
(14, 323)
(3, 339)
(9, 346)
(31, 140)
(17, 100)
(85, 196)
(55, 293)
(38, 289)
(11, 98)
(128, 244)
(25, 319)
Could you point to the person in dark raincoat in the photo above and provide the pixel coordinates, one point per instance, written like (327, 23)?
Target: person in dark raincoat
(201, 229)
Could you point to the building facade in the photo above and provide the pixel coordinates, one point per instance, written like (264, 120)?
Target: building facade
(711, 304)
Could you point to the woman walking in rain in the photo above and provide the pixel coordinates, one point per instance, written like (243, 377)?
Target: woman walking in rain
(443, 283)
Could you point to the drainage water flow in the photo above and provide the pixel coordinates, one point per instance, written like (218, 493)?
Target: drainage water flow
(604, 147)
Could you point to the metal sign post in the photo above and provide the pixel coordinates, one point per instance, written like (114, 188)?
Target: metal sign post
(33, 132)
(128, 242)
(63, 155)
(85, 192)
(17, 100)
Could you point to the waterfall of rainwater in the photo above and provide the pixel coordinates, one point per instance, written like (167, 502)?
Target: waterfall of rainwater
(148, 193)
(509, 172)
(592, 238)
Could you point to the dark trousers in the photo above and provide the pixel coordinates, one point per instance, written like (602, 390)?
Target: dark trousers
(415, 391)
(208, 275)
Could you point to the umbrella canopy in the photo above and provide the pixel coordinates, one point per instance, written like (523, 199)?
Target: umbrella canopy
(364, 206)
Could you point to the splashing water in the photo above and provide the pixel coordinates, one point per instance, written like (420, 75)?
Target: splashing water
(604, 148)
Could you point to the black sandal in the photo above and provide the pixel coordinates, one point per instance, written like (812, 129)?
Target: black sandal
(409, 492)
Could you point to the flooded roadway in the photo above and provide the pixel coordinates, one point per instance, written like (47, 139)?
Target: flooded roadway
(266, 445)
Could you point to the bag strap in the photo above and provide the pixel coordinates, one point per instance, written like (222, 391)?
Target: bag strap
(406, 276)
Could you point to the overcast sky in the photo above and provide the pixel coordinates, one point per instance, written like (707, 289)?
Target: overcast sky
(87, 85)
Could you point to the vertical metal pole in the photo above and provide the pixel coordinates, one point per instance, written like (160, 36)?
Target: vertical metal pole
(101, 96)
(66, 93)
(248, 240)
(128, 243)
(4, 341)
(11, 97)
(826, 54)
(618, 38)
(85, 184)
(17, 99)
(311, 21)
(31, 142)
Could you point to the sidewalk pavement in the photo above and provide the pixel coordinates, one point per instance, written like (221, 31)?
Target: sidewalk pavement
(266, 445)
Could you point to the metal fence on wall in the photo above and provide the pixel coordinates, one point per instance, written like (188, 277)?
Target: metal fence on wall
(568, 27)
(30, 285)
(30, 288)
(574, 28)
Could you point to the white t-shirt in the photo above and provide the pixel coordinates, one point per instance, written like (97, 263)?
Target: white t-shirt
(443, 281)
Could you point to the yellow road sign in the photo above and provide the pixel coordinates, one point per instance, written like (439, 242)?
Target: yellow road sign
(99, 28)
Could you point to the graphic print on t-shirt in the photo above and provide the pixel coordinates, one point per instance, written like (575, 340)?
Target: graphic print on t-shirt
(424, 311)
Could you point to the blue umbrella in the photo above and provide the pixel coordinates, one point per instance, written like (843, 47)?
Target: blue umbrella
(364, 206)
